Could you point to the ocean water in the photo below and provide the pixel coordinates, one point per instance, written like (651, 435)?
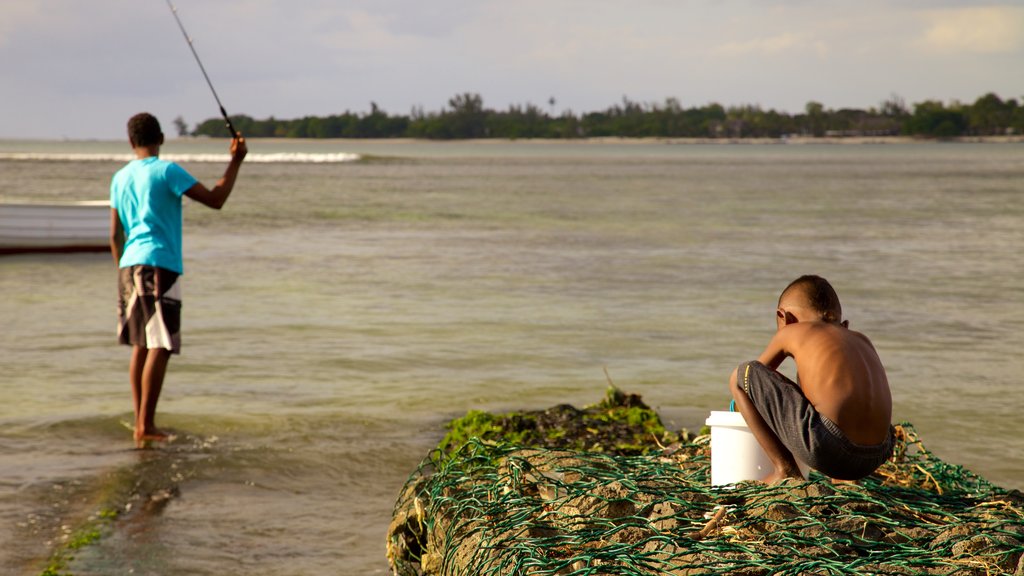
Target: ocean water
(354, 296)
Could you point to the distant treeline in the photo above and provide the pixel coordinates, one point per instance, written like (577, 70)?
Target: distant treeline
(466, 117)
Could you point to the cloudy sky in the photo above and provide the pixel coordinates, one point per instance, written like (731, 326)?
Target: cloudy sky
(78, 69)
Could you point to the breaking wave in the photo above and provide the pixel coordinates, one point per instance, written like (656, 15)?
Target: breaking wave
(263, 158)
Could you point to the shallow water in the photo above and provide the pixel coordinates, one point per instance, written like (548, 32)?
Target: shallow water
(337, 314)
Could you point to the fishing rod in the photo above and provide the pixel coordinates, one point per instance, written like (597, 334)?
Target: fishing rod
(188, 39)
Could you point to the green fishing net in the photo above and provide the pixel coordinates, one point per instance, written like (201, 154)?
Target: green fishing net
(490, 507)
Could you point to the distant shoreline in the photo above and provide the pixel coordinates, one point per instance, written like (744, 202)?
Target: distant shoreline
(599, 140)
(798, 140)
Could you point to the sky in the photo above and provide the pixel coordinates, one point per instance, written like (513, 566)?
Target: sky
(78, 69)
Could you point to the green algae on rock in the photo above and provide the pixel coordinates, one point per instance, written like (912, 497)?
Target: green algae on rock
(619, 424)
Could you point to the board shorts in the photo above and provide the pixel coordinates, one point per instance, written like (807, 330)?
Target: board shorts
(149, 308)
(811, 437)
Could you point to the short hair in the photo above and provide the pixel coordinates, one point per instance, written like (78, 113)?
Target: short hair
(144, 130)
(820, 296)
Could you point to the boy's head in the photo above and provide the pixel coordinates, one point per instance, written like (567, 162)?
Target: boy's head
(144, 130)
(812, 294)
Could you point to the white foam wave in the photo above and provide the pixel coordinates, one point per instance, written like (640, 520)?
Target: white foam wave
(65, 157)
(269, 158)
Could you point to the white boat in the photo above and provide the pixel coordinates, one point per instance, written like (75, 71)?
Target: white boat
(54, 227)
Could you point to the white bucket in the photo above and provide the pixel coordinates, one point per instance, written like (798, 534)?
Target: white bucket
(735, 453)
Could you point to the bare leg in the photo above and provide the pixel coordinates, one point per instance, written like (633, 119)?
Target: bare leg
(135, 367)
(153, 372)
(782, 459)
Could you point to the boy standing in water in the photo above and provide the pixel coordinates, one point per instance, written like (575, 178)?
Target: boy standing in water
(145, 240)
(837, 419)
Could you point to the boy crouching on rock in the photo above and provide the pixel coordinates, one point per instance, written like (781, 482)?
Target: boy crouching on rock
(836, 419)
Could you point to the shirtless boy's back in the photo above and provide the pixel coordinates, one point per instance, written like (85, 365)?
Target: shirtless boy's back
(837, 419)
(840, 374)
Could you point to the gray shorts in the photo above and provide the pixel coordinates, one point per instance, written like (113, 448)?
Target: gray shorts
(811, 437)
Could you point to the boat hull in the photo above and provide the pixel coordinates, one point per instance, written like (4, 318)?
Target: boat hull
(56, 227)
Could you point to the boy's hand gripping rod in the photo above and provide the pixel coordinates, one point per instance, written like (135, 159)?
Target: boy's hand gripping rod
(188, 39)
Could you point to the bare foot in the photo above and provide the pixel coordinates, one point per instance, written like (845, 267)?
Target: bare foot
(780, 475)
(151, 435)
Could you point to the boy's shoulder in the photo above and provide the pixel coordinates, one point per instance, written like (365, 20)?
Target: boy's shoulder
(818, 330)
(149, 167)
(823, 332)
(801, 329)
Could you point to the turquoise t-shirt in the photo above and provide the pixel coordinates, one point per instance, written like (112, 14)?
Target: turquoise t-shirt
(147, 196)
